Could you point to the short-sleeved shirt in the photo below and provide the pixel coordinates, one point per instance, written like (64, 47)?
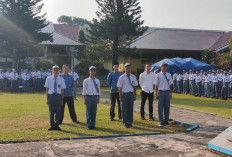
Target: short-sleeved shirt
(89, 87)
(14, 76)
(185, 76)
(50, 84)
(112, 80)
(75, 75)
(226, 78)
(68, 79)
(163, 82)
(123, 82)
(26, 76)
(147, 81)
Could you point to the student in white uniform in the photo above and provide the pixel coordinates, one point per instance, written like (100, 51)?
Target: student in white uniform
(75, 84)
(198, 84)
(226, 81)
(14, 80)
(91, 93)
(55, 86)
(127, 84)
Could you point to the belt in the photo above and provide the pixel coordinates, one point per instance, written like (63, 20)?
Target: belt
(164, 90)
(128, 93)
(92, 95)
(55, 94)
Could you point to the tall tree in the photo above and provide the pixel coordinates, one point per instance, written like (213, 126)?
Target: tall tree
(72, 20)
(22, 21)
(117, 25)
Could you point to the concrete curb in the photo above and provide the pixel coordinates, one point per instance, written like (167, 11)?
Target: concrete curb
(190, 127)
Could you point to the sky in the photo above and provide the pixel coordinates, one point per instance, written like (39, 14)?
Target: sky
(191, 14)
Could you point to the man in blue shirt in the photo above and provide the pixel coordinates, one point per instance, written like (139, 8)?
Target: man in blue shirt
(68, 95)
(112, 81)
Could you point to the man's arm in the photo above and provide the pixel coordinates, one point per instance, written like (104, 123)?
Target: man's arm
(156, 92)
(62, 95)
(135, 90)
(120, 93)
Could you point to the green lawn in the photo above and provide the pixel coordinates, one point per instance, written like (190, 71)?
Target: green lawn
(216, 106)
(25, 117)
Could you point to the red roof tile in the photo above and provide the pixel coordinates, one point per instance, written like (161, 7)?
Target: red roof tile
(222, 41)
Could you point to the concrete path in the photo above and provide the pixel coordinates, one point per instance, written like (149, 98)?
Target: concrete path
(193, 144)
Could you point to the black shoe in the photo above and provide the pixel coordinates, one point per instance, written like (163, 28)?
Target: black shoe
(151, 119)
(89, 128)
(142, 118)
(51, 129)
(93, 128)
(111, 119)
(161, 124)
(76, 121)
(119, 118)
(57, 128)
(166, 123)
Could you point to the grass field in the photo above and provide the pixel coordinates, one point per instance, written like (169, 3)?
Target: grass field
(25, 117)
(216, 106)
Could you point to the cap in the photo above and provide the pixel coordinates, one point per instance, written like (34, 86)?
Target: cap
(127, 64)
(197, 72)
(72, 67)
(92, 67)
(213, 71)
(164, 63)
(55, 67)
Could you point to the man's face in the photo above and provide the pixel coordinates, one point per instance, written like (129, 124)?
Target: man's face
(73, 70)
(115, 67)
(66, 69)
(92, 72)
(56, 72)
(148, 67)
(128, 69)
(164, 68)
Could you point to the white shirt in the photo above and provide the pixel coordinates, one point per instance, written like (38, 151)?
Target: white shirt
(14, 76)
(198, 79)
(1, 76)
(147, 82)
(206, 78)
(123, 82)
(192, 77)
(226, 78)
(185, 76)
(89, 87)
(44, 75)
(7, 75)
(175, 76)
(215, 79)
(162, 82)
(50, 84)
(179, 77)
(33, 74)
(209, 77)
(75, 75)
(26, 76)
(38, 74)
(220, 77)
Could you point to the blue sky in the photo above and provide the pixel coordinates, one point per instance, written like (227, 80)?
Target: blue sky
(193, 14)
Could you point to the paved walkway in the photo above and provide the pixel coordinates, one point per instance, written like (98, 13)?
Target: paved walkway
(193, 144)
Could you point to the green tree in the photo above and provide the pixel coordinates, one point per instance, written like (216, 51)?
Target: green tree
(207, 56)
(117, 25)
(21, 23)
(72, 20)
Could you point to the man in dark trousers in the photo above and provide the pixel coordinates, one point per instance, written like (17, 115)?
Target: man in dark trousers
(127, 84)
(146, 81)
(54, 90)
(163, 90)
(112, 81)
(68, 95)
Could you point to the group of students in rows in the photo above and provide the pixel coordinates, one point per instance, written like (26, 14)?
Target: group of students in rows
(211, 83)
(26, 80)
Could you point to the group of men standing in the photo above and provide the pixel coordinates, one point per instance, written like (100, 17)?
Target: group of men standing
(212, 83)
(123, 89)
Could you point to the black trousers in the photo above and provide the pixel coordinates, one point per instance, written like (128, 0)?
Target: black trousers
(115, 97)
(144, 97)
(70, 101)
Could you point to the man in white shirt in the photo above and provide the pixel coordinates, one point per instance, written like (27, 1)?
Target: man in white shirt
(198, 84)
(146, 81)
(179, 82)
(192, 78)
(175, 82)
(55, 86)
(226, 81)
(163, 91)
(14, 80)
(214, 85)
(1, 80)
(75, 83)
(220, 81)
(91, 93)
(25, 80)
(127, 84)
(207, 87)
(185, 82)
(230, 85)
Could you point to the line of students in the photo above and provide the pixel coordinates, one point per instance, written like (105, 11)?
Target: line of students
(215, 83)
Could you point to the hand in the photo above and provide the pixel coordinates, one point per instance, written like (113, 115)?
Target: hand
(47, 102)
(85, 102)
(134, 97)
(170, 95)
(120, 98)
(157, 97)
(98, 101)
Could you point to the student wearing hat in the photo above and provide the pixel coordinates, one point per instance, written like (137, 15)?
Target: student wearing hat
(91, 93)
(14, 80)
(179, 82)
(68, 95)
(112, 80)
(163, 91)
(230, 85)
(175, 82)
(226, 81)
(192, 78)
(75, 83)
(206, 85)
(25, 80)
(214, 91)
(220, 81)
(55, 86)
(127, 95)
(146, 81)
(1, 80)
